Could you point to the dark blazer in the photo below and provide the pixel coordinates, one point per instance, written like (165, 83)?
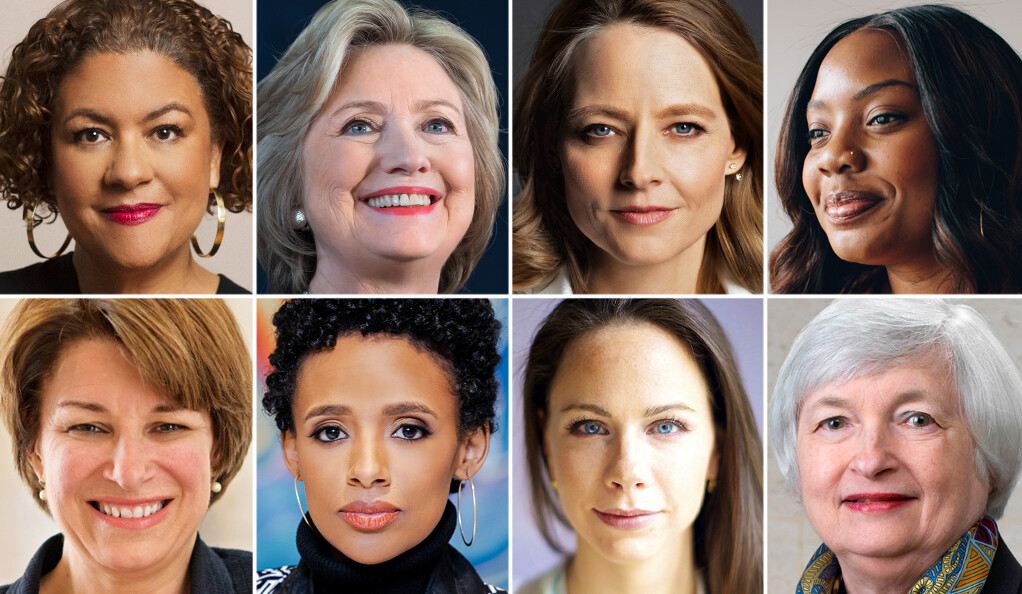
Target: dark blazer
(1005, 573)
(213, 571)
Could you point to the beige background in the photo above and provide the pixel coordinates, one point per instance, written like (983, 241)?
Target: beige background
(790, 538)
(235, 256)
(795, 29)
(25, 526)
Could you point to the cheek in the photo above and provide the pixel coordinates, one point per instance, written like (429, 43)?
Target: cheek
(457, 168)
(332, 170)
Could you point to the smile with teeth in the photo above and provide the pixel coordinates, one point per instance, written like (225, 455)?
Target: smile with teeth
(399, 200)
(129, 511)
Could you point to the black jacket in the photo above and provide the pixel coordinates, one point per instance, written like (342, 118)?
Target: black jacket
(213, 571)
(1005, 573)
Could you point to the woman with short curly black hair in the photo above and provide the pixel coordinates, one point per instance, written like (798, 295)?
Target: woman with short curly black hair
(385, 407)
(129, 120)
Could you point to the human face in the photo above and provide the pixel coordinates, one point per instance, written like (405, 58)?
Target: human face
(376, 442)
(133, 158)
(380, 137)
(645, 145)
(888, 466)
(629, 438)
(871, 171)
(108, 443)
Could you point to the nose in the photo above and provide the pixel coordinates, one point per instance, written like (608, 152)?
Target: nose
(841, 154)
(129, 467)
(628, 468)
(403, 151)
(130, 165)
(873, 455)
(641, 168)
(368, 465)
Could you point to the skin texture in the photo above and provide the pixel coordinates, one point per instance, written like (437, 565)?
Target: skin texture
(899, 432)
(629, 427)
(646, 127)
(874, 138)
(414, 135)
(122, 139)
(106, 436)
(376, 421)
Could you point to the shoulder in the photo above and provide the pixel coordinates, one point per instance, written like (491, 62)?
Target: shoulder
(43, 562)
(559, 286)
(49, 276)
(267, 580)
(551, 582)
(229, 287)
(1005, 572)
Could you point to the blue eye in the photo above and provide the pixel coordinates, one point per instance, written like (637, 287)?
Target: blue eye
(666, 427)
(590, 428)
(439, 126)
(685, 129)
(357, 128)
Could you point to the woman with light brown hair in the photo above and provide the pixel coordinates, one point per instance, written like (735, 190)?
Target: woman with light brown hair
(638, 133)
(640, 439)
(128, 419)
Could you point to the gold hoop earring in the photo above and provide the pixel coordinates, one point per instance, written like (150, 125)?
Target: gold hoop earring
(461, 484)
(221, 219)
(300, 508)
(711, 485)
(30, 226)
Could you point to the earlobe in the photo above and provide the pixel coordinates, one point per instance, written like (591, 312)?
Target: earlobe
(289, 447)
(472, 453)
(214, 165)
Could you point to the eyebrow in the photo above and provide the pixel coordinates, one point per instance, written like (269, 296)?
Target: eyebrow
(900, 399)
(680, 109)
(659, 410)
(328, 410)
(867, 91)
(589, 407)
(99, 408)
(427, 104)
(152, 115)
(403, 408)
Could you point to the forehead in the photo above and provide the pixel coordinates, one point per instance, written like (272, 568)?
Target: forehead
(627, 369)
(628, 64)
(932, 384)
(397, 75)
(862, 59)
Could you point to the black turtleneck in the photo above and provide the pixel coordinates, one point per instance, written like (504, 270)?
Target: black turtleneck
(408, 573)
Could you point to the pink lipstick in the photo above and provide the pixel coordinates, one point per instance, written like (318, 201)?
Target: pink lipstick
(132, 214)
(643, 215)
(626, 519)
(846, 206)
(871, 503)
(369, 516)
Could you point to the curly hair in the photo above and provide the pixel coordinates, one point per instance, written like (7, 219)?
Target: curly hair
(294, 92)
(461, 333)
(190, 35)
(969, 82)
(545, 239)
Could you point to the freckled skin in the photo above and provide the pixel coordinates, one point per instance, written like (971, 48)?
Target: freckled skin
(879, 143)
(866, 441)
(638, 155)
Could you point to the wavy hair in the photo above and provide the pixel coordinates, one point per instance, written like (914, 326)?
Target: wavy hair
(970, 85)
(545, 240)
(294, 92)
(728, 532)
(188, 34)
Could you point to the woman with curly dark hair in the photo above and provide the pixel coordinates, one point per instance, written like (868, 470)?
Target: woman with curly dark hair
(385, 407)
(899, 161)
(129, 120)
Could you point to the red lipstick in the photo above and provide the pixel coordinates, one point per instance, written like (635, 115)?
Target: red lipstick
(846, 206)
(132, 214)
(626, 519)
(871, 503)
(643, 215)
(369, 516)
(388, 200)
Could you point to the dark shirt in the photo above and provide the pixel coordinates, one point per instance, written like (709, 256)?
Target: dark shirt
(58, 277)
(211, 571)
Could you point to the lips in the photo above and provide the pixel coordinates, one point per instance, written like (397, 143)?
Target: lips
(876, 502)
(131, 514)
(643, 215)
(626, 519)
(369, 516)
(846, 206)
(402, 200)
(132, 214)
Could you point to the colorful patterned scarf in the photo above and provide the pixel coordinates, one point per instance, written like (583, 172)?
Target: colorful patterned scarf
(962, 570)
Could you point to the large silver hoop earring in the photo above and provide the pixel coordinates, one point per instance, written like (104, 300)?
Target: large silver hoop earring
(461, 484)
(221, 219)
(301, 509)
(30, 226)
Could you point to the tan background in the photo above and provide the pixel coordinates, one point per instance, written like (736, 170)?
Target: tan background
(234, 259)
(790, 538)
(25, 526)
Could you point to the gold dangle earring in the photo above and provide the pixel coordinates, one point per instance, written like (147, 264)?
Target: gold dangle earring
(30, 225)
(221, 219)
(461, 484)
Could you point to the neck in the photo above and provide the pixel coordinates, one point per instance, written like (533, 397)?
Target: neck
(338, 275)
(671, 570)
(177, 274)
(881, 576)
(925, 278)
(77, 573)
(677, 275)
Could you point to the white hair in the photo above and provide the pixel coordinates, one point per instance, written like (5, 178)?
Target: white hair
(854, 338)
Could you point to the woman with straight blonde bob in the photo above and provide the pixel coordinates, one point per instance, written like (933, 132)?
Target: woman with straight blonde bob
(679, 206)
(308, 238)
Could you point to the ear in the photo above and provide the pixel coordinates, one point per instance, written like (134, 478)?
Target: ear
(216, 152)
(472, 453)
(289, 446)
(713, 469)
(736, 158)
(36, 462)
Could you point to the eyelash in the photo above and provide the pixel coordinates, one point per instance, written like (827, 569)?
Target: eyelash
(575, 427)
(93, 429)
(319, 433)
(815, 134)
(79, 135)
(372, 127)
(423, 431)
(844, 422)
